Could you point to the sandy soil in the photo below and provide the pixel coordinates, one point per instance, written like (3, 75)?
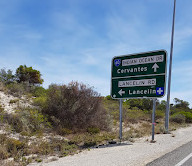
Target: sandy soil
(138, 153)
(11, 107)
(5, 102)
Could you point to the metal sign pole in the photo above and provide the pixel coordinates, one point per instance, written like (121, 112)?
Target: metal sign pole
(153, 119)
(169, 80)
(120, 119)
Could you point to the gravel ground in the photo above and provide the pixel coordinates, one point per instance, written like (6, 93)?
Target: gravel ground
(138, 153)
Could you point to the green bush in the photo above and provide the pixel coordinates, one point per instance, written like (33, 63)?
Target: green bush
(93, 130)
(45, 148)
(63, 131)
(67, 149)
(188, 116)
(13, 101)
(19, 89)
(178, 118)
(14, 121)
(2, 86)
(3, 152)
(90, 143)
(1, 114)
(16, 89)
(11, 147)
(175, 111)
(159, 114)
(134, 116)
(88, 140)
(14, 146)
(39, 91)
(143, 104)
(28, 121)
(108, 98)
(59, 147)
(40, 101)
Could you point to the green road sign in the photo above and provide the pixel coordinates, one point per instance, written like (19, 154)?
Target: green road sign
(139, 75)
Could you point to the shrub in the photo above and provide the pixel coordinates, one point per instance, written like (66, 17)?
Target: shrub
(28, 121)
(188, 116)
(160, 129)
(13, 101)
(2, 86)
(76, 106)
(3, 153)
(175, 111)
(45, 148)
(88, 140)
(134, 116)
(39, 91)
(63, 131)
(159, 114)
(90, 143)
(67, 149)
(108, 98)
(40, 101)
(60, 147)
(14, 146)
(178, 118)
(93, 130)
(11, 147)
(24, 88)
(14, 121)
(1, 114)
(16, 89)
(144, 104)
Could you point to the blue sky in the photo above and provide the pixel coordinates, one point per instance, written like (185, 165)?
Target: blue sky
(76, 39)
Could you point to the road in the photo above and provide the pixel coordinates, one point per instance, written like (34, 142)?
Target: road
(181, 156)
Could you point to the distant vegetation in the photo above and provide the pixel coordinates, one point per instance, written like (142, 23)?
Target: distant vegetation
(76, 112)
(23, 74)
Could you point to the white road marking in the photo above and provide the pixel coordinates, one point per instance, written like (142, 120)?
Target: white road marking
(184, 160)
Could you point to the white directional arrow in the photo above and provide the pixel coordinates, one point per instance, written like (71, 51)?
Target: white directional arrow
(121, 92)
(155, 67)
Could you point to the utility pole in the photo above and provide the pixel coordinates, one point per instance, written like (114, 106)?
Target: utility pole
(170, 69)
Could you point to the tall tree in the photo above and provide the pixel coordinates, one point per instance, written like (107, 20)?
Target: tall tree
(28, 74)
(181, 104)
(6, 76)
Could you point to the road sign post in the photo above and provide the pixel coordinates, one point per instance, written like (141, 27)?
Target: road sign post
(120, 119)
(139, 75)
(153, 119)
